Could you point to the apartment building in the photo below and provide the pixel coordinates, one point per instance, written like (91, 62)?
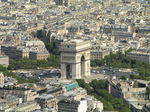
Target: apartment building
(27, 107)
(99, 54)
(71, 105)
(2, 78)
(10, 101)
(140, 56)
(146, 108)
(125, 89)
(4, 60)
(47, 100)
(122, 36)
(34, 50)
(25, 94)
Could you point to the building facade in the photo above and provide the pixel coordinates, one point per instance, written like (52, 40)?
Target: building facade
(34, 50)
(140, 56)
(4, 60)
(39, 55)
(71, 105)
(10, 102)
(25, 94)
(27, 107)
(98, 54)
(47, 100)
(124, 89)
(146, 108)
(2, 78)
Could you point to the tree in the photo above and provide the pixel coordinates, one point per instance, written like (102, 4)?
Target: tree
(100, 93)
(100, 84)
(3, 68)
(24, 63)
(107, 105)
(119, 60)
(117, 103)
(56, 51)
(123, 77)
(82, 83)
(88, 89)
(49, 46)
(148, 91)
(124, 108)
(93, 64)
(33, 34)
(104, 93)
(52, 48)
(39, 34)
(129, 50)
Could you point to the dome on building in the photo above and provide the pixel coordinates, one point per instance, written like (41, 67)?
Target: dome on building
(34, 43)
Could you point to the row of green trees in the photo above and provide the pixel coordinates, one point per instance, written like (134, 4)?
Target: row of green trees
(24, 63)
(120, 60)
(38, 34)
(52, 61)
(20, 80)
(51, 47)
(97, 88)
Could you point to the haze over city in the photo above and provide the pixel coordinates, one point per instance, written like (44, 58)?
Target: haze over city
(74, 55)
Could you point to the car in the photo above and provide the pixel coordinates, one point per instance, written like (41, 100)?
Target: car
(133, 72)
(114, 71)
(105, 77)
(93, 71)
(110, 67)
(117, 70)
(103, 71)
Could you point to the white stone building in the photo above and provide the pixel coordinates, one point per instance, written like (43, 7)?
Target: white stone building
(71, 105)
(75, 59)
(140, 56)
(2, 78)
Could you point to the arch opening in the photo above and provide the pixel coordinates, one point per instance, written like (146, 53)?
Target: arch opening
(68, 71)
(82, 65)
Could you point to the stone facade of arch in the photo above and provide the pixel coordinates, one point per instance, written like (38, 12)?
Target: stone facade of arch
(71, 54)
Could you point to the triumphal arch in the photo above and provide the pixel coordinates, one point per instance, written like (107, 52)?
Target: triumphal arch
(75, 59)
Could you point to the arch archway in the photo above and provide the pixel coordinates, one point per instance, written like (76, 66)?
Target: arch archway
(68, 72)
(75, 59)
(82, 65)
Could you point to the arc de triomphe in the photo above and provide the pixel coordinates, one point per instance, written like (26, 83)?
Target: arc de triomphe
(75, 59)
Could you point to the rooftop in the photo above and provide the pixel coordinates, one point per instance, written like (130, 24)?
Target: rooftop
(45, 96)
